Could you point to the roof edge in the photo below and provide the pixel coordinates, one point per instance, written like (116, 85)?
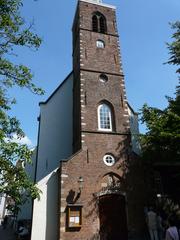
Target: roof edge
(99, 4)
(52, 94)
(134, 112)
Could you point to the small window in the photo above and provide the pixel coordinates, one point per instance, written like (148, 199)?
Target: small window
(100, 44)
(103, 78)
(104, 118)
(109, 160)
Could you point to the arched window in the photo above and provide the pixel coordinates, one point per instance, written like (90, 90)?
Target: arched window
(104, 117)
(99, 23)
(95, 23)
(102, 23)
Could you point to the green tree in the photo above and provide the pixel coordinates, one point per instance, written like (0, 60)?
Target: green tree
(162, 139)
(174, 47)
(14, 33)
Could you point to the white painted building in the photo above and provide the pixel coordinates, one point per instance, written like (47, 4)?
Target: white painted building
(54, 144)
(134, 127)
(2, 207)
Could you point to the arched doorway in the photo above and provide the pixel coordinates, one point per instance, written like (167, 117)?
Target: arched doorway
(113, 219)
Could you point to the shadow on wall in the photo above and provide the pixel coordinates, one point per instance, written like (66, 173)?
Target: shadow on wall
(130, 184)
(52, 209)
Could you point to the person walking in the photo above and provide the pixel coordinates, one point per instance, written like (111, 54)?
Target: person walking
(172, 231)
(160, 228)
(5, 222)
(152, 224)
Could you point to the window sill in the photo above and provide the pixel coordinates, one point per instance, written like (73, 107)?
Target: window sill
(105, 130)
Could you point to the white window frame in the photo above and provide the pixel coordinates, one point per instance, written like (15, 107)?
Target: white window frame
(100, 44)
(112, 158)
(99, 118)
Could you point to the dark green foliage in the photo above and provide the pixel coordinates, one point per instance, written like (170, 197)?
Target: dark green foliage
(13, 34)
(174, 47)
(162, 140)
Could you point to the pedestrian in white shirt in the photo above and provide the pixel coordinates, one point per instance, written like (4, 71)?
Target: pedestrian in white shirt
(172, 231)
(152, 224)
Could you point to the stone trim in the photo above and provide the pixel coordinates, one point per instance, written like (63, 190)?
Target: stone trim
(99, 4)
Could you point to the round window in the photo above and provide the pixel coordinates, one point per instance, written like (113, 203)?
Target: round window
(103, 78)
(109, 160)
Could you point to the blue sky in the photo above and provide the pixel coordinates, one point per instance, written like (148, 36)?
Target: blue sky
(144, 30)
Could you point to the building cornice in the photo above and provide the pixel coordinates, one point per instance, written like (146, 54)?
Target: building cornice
(99, 4)
(95, 71)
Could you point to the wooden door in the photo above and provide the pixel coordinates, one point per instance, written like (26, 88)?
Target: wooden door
(113, 219)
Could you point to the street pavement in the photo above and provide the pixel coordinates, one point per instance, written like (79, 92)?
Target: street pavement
(7, 234)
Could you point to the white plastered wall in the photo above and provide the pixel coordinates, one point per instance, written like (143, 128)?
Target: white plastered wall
(55, 144)
(2, 207)
(45, 213)
(134, 127)
(55, 136)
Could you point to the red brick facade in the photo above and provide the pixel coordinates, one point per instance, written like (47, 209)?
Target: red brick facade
(91, 144)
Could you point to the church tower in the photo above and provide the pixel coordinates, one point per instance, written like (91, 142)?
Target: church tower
(99, 182)
(98, 77)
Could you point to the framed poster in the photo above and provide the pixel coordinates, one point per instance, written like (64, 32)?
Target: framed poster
(74, 216)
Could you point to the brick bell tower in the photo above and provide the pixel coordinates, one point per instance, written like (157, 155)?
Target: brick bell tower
(98, 75)
(99, 182)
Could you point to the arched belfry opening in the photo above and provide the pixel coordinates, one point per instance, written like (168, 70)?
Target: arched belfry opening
(99, 23)
(95, 23)
(102, 24)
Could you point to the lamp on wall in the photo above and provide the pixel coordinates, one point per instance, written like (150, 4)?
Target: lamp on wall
(81, 183)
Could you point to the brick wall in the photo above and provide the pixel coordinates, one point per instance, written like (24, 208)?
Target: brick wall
(89, 62)
(88, 164)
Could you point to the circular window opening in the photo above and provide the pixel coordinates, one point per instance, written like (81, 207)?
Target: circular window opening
(100, 44)
(103, 78)
(109, 160)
